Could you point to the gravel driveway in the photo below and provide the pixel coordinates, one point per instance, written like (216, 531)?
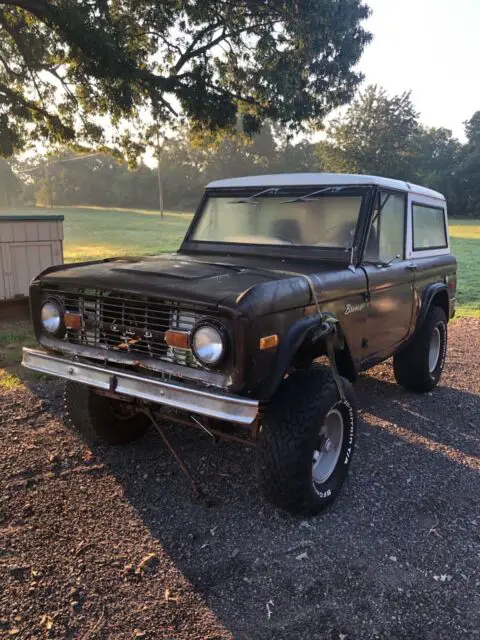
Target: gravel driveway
(109, 543)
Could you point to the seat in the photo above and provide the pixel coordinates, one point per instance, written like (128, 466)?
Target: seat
(287, 229)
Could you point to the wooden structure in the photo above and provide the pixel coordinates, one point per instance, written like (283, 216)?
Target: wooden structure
(28, 245)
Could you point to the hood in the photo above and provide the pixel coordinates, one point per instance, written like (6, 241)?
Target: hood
(252, 286)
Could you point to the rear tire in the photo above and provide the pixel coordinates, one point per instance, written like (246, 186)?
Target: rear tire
(306, 442)
(100, 418)
(419, 366)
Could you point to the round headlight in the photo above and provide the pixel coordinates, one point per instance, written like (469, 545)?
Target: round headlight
(51, 317)
(208, 344)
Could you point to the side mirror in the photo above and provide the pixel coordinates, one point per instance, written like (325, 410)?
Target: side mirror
(387, 264)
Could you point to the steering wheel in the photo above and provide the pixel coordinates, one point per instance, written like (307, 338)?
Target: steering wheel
(328, 232)
(284, 240)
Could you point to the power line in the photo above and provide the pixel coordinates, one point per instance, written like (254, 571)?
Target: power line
(50, 162)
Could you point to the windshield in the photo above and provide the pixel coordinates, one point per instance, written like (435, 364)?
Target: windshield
(321, 221)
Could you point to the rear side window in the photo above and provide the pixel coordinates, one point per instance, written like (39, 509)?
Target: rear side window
(386, 238)
(429, 230)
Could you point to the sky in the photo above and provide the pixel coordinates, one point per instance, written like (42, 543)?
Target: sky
(431, 47)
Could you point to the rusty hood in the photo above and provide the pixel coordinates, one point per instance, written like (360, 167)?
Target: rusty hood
(255, 286)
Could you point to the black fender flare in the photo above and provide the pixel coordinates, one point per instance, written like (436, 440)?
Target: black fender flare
(427, 298)
(311, 328)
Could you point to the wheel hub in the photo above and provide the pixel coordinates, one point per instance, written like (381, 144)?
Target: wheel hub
(328, 447)
(434, 350)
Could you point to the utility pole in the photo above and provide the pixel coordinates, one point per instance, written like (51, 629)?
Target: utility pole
(159, 177)
(49, 184)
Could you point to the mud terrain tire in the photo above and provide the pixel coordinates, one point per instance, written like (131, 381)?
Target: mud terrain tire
(419, 366)
(290, 443)
(99, 418)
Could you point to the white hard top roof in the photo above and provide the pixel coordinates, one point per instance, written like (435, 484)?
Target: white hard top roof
(313, 179)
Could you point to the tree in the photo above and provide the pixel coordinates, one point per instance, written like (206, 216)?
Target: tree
(467, 171)
(374, 136)
(240, 155)
(64, 63)
(436, 156)
(292, 156)
(70, 179)
(10, 185)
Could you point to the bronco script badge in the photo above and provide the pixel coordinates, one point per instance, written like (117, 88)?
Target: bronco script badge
(353, 308)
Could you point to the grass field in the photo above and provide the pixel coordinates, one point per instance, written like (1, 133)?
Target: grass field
(95, 232)
(465, 235)
(92, 233)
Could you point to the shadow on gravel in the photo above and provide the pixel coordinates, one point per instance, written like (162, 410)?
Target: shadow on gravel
(394, 557)
(446, 416)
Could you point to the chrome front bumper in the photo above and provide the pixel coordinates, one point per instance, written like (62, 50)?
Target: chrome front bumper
(172, 394)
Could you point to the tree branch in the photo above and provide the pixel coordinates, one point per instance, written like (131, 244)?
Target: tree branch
(15, 97)
(38, 8)
(64, 84)
(16, 37)
(9, 70)
(197, 38)
(191, 53)
(159, 35)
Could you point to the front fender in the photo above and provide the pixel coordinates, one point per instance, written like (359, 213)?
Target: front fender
(310, 329)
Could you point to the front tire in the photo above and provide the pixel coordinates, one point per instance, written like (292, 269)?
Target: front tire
(306, 442)
(419, 366)
(100, 418)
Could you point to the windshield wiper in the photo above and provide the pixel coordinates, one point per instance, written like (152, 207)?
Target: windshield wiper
(309, 196)
(251, 199)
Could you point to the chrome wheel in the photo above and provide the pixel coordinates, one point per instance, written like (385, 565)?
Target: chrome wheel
(328, 447)
(434, 350)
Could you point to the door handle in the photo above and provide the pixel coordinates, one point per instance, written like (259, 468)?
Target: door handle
(412, 267)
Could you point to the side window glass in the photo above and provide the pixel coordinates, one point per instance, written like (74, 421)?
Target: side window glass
(386, 238)
(429, 229)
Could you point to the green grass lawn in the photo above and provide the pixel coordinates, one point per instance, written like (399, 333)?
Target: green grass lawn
(96, 232)
(465, 235)
(14, 336)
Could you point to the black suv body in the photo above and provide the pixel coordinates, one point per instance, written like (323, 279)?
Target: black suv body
(274, 273)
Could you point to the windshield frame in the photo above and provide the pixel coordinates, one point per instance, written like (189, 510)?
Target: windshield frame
(347, 256)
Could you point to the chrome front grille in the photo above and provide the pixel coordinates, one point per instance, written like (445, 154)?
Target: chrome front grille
(127, 323)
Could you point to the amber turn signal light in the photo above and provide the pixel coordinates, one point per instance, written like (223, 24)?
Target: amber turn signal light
(268, 342)
(73, 320)
(177, 339)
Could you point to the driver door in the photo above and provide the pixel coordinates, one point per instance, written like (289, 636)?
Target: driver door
(390, 278)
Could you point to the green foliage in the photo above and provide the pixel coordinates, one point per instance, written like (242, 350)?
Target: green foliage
(373, 137)
(64, 63)
(436, 157)
(467, 173)
(381, 135)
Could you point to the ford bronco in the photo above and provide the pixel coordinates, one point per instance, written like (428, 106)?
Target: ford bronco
(283, 290)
